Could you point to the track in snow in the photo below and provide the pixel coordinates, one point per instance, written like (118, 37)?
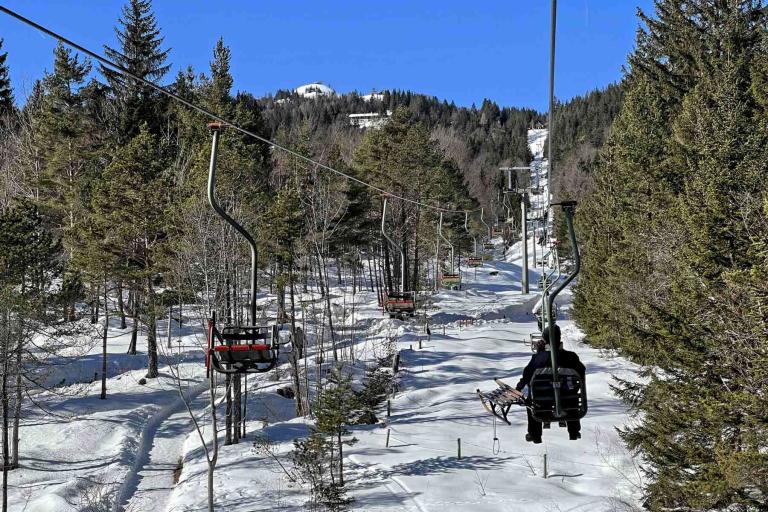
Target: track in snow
(149, 482)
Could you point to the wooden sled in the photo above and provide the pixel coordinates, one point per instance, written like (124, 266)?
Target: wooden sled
(499, 401)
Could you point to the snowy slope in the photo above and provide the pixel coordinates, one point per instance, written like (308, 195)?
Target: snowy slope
(138, 450)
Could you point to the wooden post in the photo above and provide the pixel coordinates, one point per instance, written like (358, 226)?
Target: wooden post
(419, 342)
(389, 408)
(458, 442)
(396, 365)
(387, 438)
(545, 465)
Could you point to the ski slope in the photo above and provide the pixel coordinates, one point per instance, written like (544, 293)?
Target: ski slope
(139, 450)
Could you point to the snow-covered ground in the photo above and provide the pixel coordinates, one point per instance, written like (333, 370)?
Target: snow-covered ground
(138, 450)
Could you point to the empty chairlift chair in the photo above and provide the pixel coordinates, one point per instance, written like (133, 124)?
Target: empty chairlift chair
(402, 303)
(238, 348)
(448, 279)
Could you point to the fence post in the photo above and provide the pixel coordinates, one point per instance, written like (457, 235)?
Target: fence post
(389, 408)
(545, 465)
(458, 442)
(387, 438)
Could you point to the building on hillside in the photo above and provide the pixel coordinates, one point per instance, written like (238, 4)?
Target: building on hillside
(369, 120)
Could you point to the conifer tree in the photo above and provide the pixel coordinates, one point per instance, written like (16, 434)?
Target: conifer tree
(129, 207)
(670, 237)
(141, 53)
(6, 92)
(63, 136)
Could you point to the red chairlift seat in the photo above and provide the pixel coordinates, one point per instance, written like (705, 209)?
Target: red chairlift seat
(242, 349)
(400, 303)
(474, 261)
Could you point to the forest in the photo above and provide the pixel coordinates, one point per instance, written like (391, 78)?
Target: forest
(105, 226)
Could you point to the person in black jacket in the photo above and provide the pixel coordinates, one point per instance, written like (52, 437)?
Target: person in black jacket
(542, 359)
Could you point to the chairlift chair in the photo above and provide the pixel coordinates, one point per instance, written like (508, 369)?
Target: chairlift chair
(556, 393)
(573, 395)
(238, 348)
(242, 349)
(451, 279)
(402, 303)
(474, 261)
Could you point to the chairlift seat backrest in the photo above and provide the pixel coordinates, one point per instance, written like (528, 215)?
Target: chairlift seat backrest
(243, 349)
(573, 395)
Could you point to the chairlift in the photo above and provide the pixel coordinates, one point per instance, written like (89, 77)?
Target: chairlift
(474, 261)
(402, 303)
(238, 348)
(451, 279)
(559, 394)
(556, 394)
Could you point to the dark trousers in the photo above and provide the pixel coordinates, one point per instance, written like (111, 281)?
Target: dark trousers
(535, 428)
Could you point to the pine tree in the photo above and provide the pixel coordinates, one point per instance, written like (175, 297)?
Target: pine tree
(672, 256)
(62, 137)
(6, 92)
(141, 53)
(129, 221)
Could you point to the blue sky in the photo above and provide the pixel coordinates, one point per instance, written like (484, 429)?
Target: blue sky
(456, 50)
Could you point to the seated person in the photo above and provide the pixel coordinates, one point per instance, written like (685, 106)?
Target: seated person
(542, 359)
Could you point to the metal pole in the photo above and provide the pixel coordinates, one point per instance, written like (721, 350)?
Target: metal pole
(524, 234)
(440, 234)
(216, 129)
(482, 219)
(551, 115)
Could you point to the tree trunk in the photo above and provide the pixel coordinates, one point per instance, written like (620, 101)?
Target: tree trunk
(152, 371)
(370, 268)
(281, 315)
(215, 448)
(103, 395)
(379, 294)
(297, 350)
(341, 462)
(387, 268)
(17, 406)
(7, 333)
(330, 314)
(94, 305)
(415, 273)
(120, 305)
(228, 410)
(238, 409)
(134, 300)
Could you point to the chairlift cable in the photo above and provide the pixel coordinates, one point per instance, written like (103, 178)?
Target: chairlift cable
(213, 115)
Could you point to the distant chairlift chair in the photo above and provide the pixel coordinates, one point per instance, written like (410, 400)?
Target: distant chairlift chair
(452, 279)
(402, 303)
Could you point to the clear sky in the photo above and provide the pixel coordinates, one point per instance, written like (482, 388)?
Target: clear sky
(454, 49)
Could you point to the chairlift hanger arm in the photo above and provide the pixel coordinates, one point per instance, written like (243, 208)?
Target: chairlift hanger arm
(216, 129)
(400, 249)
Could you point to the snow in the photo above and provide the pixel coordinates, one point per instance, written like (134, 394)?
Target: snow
(124, 451)
(374, 96)
(314, 90)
